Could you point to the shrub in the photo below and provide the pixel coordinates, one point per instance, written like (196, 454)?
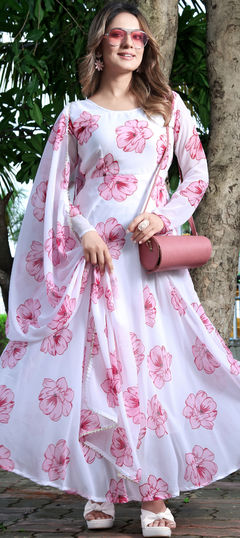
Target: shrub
(3, 338)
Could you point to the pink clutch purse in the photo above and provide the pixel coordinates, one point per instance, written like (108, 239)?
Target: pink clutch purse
(168, 252)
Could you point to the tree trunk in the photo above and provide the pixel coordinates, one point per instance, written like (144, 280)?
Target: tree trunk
(6, 259)
(162, 16)
(218, 215)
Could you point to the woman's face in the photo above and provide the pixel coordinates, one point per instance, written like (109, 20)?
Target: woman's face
(123, 57)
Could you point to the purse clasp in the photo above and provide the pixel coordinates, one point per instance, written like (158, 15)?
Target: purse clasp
(149, 244)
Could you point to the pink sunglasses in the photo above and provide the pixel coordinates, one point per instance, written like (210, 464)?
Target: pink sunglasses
(116, 36)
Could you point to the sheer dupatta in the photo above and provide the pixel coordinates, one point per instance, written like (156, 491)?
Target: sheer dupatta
(49, 258)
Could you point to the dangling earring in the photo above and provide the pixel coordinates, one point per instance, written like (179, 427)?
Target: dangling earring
(99, 65)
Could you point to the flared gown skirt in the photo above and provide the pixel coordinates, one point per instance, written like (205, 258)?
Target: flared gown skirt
(134, 396)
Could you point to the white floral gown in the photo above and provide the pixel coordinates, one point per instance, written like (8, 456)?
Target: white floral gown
(118, 386)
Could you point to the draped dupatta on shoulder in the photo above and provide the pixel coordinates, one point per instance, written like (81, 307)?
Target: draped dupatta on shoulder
(43, 288)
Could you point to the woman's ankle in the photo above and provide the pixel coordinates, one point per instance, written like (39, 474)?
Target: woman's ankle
(154, 506)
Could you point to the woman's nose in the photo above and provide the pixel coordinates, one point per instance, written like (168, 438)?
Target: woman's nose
(127, 40)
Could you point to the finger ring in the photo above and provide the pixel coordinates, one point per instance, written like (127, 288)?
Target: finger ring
(143, 225)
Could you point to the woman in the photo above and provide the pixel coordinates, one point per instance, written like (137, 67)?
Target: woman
(116, 384)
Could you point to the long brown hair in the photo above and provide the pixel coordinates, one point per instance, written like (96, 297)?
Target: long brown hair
(148, 84)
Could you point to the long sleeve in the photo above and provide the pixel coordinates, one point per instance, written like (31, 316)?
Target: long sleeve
(193, 164)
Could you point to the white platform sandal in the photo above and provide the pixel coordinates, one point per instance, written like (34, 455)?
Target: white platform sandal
(148, 517)
(106, 508)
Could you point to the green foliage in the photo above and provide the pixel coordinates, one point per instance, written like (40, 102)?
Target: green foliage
(45, 38)
(3, 338)
(189, 70)
(189, 74)
(15, 213)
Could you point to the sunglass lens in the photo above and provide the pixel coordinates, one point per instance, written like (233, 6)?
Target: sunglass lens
(116, 36)
(139, 39)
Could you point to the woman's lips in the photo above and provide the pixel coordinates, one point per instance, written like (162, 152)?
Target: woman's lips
(126, 55)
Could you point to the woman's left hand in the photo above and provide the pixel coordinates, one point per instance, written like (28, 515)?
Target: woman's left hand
(155, 226)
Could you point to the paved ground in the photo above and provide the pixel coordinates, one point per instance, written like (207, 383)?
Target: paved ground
(28, 510)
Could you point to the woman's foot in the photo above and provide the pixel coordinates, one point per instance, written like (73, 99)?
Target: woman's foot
(97, 518)
(96, 514)
(156, 507)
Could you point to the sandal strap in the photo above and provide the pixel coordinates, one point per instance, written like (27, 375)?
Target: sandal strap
(148, 517)
(106, 508)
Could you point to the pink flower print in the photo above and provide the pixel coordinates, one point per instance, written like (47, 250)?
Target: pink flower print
(84, 126)
(200, 311)
(120, 448)
(162, 152)
(113, 234)
(64, 314)
(117, 492)
(58, 132)
(166, 230)
(92, 337)
(5, 461)
(113, 382)
(38, 200)
(194, 146)
(58, 245)
(7, 326)
(66, 176)
(54, 293)
(132, 135)
(159, 192)
(84, 278)
(106, 167)
(154, 489)
(74, 210)
(57, 343)
(157, 417)
(89, 454)
(55, 398)
(204, 360)
(200, 466)
(118, 187)
(178, 302)
(56, 460)
(149, 306)
(138, 350)
(28, 314)
(96, 288)
(114, 286)
(13, 352)
(234, 364)
(159, 362)
(176, 128)
(131, 401)
(143, 429)
(194, 192)
(109, 300)
(89, 422)
(6, 403)
(106, 328)
(138, 475)
(201, 410)
(115, 362)
(79, 181)
(34, 259)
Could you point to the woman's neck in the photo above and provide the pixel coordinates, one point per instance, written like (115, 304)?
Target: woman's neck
(114, 92)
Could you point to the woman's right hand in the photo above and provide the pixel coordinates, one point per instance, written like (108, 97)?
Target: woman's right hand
(96, 251)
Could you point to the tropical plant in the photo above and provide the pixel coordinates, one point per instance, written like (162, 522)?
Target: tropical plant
(3, 338)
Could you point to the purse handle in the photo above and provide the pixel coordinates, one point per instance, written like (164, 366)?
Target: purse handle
(190, 220)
